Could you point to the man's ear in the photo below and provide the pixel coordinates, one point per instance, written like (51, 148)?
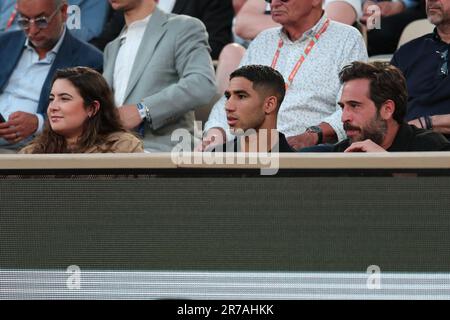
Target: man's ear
(270, 104)
(387, 110)
(93, 108)
(63, 10)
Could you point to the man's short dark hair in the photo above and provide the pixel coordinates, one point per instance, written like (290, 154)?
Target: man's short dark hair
(265, 79)
(386, 83)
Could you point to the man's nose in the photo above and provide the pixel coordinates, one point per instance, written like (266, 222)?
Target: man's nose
(346, 115)
(33, 29)
(229, 106)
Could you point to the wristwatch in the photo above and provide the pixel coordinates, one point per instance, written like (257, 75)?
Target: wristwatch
(144, 112)
(318, 130)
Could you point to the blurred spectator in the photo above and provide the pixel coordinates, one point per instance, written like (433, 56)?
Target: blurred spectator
(87, 18)
(345, 11)
(82, 117)
(395, 16)
(29, 60)
(8, 15)
(255, 17)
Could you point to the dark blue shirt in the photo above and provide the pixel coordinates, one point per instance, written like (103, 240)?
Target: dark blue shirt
(422, 62)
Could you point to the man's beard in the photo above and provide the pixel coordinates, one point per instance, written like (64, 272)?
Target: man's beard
(437, 17)
(375, 130)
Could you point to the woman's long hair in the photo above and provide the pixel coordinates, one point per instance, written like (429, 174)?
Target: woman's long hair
(92, 87)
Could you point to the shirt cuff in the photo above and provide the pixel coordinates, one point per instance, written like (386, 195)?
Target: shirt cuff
(40, 123)
(141, 109)
(144, 112)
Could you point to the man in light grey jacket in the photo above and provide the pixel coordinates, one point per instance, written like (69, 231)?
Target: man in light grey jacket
(160, 70)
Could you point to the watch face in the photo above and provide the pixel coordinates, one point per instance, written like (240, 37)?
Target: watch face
(314, 129)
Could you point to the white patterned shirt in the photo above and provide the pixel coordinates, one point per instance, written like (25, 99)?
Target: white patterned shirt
(312, 97)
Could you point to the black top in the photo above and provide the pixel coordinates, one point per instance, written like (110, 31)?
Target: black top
(409, 138)
(283, 145)
(421, 61)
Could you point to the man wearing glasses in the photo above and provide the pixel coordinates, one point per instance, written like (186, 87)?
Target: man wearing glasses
(29, 59)
(424, 63)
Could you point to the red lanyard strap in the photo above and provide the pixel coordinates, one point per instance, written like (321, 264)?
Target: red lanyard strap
(303, 57)
(11, 18)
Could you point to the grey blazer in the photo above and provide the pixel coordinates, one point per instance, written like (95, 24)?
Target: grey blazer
(172, 75)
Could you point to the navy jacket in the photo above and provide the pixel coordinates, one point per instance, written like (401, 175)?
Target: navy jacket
(72, 53)
(421, 62)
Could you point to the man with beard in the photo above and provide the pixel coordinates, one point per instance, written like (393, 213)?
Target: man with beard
(373, 106)
(424, 63)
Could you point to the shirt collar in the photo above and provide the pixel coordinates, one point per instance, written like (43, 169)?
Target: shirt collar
(134, 25)
(403, 136)
(436, 35)
(307, 34)
(54, 50)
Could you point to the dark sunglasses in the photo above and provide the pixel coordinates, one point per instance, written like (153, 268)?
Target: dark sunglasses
(39, 22)
(443, 70)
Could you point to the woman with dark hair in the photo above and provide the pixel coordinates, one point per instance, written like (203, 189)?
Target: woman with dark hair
(82, 117)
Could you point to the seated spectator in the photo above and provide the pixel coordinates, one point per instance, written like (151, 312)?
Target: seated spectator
(111, 29)
(345, 11)
(309, 114)
(82, 117)
(29, 61)
(395, 16)
(254, 97)
(424, 63)
(255, 17)
(373, 106)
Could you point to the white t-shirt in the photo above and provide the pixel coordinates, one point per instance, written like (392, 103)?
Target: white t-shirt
(130, 40)
(166, 5)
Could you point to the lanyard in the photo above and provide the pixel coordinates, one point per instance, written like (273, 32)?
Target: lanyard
(303, 57)
(11, 18)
